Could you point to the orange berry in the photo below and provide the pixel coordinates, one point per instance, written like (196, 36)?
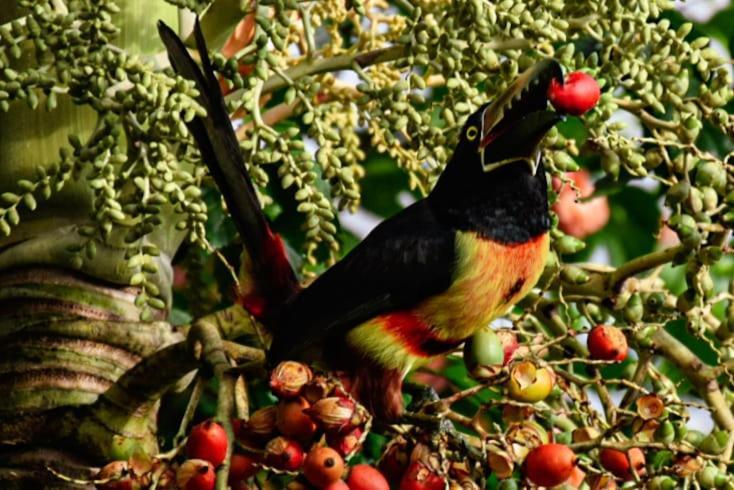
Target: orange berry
(292, 421)
(323, 466)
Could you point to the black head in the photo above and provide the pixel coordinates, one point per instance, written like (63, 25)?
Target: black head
(509, 129)
(492, 180)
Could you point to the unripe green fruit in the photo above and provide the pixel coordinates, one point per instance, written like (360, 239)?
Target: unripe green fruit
(710, 173)
(695, 200)
(661, 483)
(711, 477)
(507, 485)
(567, 245)
(678, 192)
(694, 437)
(483, 352)
(610, 163)
(634, 309)
(710, 198)
(666, 432)
(714, 443)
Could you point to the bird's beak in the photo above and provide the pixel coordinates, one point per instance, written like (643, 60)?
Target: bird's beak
(515, 122)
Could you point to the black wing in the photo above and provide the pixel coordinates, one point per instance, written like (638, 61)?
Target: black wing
(404, 260)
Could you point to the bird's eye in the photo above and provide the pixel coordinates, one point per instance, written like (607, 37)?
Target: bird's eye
(472, 133)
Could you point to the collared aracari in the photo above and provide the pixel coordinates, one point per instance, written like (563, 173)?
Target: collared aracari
(423, 280)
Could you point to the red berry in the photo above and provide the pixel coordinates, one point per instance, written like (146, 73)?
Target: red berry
(241, 467)
(365, 477)
(619, 463)
(549, 465)
(337, 485)
(578, 94)
(208, 441)
(196, 474)
(323, 466)
(509, 343)
(607, 343)
(421, 477)
(292, 421)
(284, 454)
(577, 215)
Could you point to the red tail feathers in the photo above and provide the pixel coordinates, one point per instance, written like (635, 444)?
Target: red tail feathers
(271, 278)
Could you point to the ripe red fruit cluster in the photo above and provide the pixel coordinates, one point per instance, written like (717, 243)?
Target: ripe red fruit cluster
(550, 464)
(578, 94)
(309, 407)
(608, 343)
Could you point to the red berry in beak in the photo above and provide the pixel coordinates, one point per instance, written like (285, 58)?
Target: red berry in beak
(607, 343)
(207, 441)
(550, 464)
(577, 95)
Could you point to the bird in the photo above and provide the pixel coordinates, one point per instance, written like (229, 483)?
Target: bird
(423, 280)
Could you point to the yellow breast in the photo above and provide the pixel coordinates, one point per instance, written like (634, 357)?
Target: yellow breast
(490, 277)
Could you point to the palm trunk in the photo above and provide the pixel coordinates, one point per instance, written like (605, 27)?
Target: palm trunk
(67, 336)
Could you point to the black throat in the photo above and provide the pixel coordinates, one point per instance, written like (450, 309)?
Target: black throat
(508, 205)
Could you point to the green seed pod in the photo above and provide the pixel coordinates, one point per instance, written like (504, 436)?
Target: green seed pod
(711, 477)
(710, 198)
(634, 309)
(595, 312)
(710, 173)
(567, 245)
(508, 484)
(714, 443)
(695, 200)
(574, 274)
(666, 432)
(678, 192)
(564, 161)
(644, 336)
(694, 437)
(654, 301)
(658, 483)
(653, 158)
(610, 163)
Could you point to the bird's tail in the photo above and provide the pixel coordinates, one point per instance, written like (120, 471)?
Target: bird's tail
(271, 279)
